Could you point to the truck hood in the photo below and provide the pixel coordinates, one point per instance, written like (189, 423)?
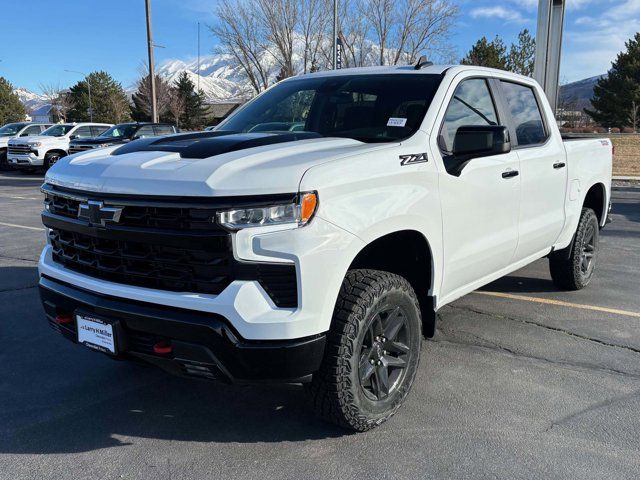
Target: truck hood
(38, 138)
(266, 169)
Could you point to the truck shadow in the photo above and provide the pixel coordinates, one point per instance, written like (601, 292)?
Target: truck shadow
(57, 397)
(177, 410)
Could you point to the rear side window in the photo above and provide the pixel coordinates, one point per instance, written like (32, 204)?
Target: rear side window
(525, 112)
(163, 130)
(97, 130)
(146, 131)
(83, 132)
(471, 105)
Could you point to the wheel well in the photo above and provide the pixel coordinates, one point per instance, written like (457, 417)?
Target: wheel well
(405, 253)
(595, 201)
(61, 152)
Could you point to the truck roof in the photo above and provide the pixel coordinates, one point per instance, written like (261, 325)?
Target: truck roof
(405, 69)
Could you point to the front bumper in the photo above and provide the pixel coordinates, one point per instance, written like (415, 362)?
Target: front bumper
(203, 345)
(24, 160)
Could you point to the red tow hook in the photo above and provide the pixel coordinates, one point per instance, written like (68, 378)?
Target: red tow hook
(162, 348)
(64, 318)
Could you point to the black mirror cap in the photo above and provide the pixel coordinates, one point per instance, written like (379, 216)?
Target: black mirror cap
(475, 141)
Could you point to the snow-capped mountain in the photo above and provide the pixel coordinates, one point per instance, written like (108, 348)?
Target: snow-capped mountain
(29, 99)
(221, 78)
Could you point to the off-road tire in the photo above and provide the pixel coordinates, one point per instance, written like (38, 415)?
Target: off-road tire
(336, 392)
(566, 266)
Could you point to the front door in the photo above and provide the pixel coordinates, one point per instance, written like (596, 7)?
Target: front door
(480, 203)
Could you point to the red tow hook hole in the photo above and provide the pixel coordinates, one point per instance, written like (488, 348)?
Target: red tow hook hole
(162, 348)
(64, 319)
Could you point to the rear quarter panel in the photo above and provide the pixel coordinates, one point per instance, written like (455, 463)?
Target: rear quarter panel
(590, 163)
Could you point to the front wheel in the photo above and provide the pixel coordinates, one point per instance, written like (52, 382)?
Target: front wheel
(372, 353)
(572, 268)
(50, 159)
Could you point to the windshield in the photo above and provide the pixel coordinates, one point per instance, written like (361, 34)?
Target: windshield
(369, 108)
(125, 130)
(11, 129)
(57, 130)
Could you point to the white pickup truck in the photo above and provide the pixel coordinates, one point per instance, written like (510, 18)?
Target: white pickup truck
(43, 150)
(18, 129)
(312, 236)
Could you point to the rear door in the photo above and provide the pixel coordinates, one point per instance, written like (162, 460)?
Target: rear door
(543, 169)
(480, 203)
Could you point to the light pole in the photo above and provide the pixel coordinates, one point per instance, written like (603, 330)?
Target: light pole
(152, 76)
(88, 89)
(335, 34)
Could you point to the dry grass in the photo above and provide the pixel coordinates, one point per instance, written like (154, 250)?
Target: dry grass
(626, 161)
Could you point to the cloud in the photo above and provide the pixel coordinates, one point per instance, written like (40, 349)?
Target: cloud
(592, 42)
(571, 4)
(497, 12)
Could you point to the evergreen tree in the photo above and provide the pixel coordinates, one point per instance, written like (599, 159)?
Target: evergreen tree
(141, 108)
(518, 59)
(11, 108)
(487, 54)
(522, 55)
(194, 108)
(616, 96)
(108, 100)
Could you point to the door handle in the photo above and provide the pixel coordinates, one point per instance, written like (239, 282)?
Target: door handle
(510, 174)
(559, 165)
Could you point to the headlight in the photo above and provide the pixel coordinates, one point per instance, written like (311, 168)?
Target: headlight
(34, 144)
(299, 212)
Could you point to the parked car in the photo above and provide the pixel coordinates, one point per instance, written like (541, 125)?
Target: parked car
(17, 129)
(44, 150)
(122, 133)
(320, 256)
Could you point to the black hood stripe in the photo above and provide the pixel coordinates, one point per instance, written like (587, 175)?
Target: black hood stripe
(209, 144)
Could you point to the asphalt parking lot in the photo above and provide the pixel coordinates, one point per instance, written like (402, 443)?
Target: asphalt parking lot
(521, 381)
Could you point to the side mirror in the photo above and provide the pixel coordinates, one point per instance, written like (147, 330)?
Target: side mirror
(73, 137)
(477, 141)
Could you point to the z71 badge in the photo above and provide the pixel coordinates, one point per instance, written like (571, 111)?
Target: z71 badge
(413, 158)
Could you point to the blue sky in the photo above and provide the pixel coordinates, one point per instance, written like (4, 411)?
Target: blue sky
(39, 39)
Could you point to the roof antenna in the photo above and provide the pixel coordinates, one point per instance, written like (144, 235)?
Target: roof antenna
(423, 62)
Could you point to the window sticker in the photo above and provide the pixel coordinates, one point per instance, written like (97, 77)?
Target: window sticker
(396, 122)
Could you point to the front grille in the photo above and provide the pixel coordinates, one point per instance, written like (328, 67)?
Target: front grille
(145, 216)
(19, 149)
(80, 148)
(152, 266)
(161, 245)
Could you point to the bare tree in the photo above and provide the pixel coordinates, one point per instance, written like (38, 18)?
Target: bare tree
(313, 23)
(59, 99)
(241, 34)
(176, 105)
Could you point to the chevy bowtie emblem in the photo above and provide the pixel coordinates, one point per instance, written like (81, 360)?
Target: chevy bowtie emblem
(97, 214)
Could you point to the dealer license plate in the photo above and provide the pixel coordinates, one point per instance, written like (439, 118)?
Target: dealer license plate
(96, 334)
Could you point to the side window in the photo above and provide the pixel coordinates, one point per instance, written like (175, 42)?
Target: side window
(82, 132)
(97, 130)
(163, 130)
(471, 105)
(525, 111)
(32, 130)
(146, 131)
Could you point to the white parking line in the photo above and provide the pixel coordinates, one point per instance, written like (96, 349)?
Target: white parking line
(16, 197)
(21, 226)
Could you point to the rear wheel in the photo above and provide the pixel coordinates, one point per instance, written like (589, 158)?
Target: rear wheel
(372, 353)
(572, 268)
